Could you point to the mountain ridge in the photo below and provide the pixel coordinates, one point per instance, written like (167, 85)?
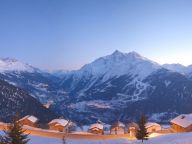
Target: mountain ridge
(116, 86)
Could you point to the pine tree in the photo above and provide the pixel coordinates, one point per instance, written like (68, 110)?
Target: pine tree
(142, 132)
(15, 134)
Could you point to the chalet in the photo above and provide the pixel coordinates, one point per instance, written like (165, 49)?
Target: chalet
(29, 120)
(96, 128)
(117, 128)
(152, 127)
(58, 125)
(132, 129)
(182, 123)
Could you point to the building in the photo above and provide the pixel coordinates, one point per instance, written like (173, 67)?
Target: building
(29, 120)
(59, 125)
(152, 127)
(132, 129)
(117, 128)
(182, 123)
(96, 128)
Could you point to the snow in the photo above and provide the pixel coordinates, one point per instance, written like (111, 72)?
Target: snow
(165, 126)
(98, 105)
(96, 125)
(8, 64)
(120, 124)
(179, 138)
(178, 68)
(30, 118)
(115, 65)
(38, 140)
(10, 82)
(157, 117)
(140, 86)
(155, 138)
(39, 86)
(167, 83)
(183, 120)
(184, 138)
(119, 64)
(62, 122)
(150, 124)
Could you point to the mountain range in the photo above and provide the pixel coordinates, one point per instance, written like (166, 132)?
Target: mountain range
(116, 87)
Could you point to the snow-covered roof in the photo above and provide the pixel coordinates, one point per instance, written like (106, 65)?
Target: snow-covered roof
(62, 122)
(150, 124)
(183, 120)
(30, 118)
(96, 125)
(121, 124)
(118, 124)
(133, 124)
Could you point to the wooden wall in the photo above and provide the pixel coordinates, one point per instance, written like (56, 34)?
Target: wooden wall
(178, 128)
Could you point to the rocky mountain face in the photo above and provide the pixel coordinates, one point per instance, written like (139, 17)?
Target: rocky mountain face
(116, 87)
(14, 100)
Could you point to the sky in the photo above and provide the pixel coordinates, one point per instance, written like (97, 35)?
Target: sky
(66, 34)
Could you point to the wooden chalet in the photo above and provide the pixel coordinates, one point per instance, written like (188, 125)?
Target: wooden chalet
(152, 127)
(182, 123)
(29, 120)
(132, 129)
(58, 125)
(96, 128)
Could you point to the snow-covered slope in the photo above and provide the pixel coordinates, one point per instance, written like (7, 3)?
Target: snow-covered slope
(105, 69)
(119, 64)
(182, 138)
(8, 64)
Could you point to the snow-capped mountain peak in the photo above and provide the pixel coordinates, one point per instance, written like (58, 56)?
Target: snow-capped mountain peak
(118, 64)
(8, 64)
(117, 53)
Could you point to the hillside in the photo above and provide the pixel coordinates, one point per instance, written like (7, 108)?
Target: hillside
(15, 100)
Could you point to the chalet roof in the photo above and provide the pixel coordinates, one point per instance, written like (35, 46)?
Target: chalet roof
(183, 120)
(96, 125)
(133, 124)
(150, 124)
(30, 118)
(118, 124)
(61, 122)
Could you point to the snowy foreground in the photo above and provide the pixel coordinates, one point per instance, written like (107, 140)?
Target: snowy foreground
(184, 138)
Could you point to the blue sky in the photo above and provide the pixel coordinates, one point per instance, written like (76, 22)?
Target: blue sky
(66, 34)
